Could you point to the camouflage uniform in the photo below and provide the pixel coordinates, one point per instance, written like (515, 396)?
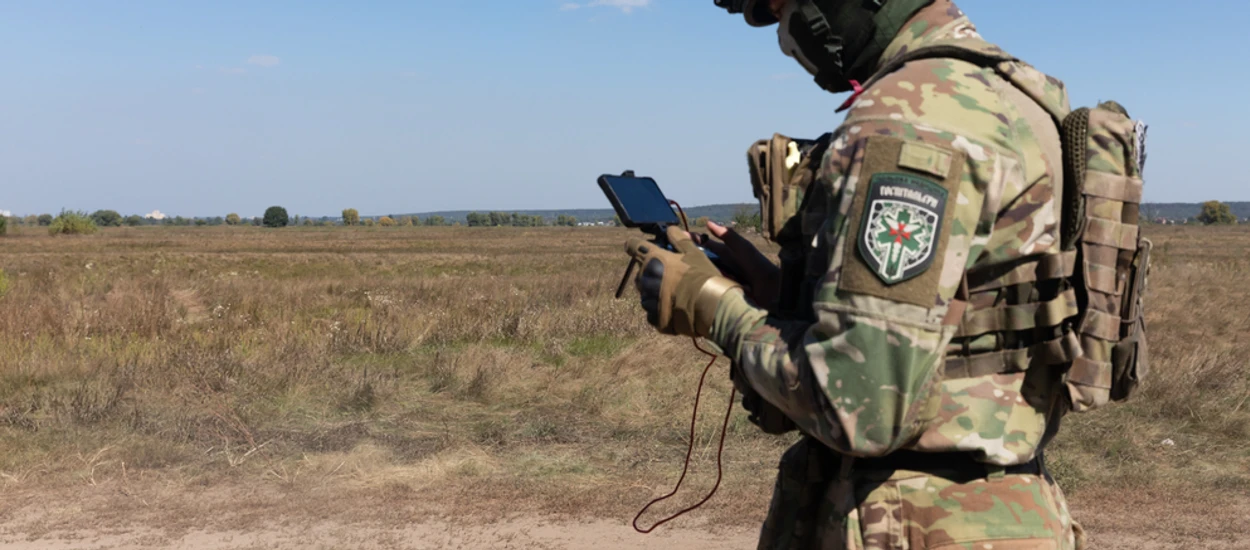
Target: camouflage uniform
(865, 368)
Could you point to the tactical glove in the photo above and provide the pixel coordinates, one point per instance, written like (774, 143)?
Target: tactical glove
(679, 290)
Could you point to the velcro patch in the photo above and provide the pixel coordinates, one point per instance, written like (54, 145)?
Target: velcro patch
(925, 158)
(900, 221)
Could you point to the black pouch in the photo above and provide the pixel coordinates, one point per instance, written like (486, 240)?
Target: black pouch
(1130, 358)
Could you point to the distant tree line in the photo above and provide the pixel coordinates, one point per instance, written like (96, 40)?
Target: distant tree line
(515, 219)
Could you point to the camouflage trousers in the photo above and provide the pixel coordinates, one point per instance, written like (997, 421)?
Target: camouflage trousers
(816, 506)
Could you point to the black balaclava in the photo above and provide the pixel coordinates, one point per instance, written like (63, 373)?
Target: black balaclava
(837, 41)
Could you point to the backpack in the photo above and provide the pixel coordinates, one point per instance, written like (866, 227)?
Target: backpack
(1104, 156)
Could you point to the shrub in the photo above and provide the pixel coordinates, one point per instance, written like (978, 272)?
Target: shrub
(368, 222)
(276, 216)
(407, 221)
(72, 223)
(232, 219)
(106, 218)
(4, 226)
(386, 221)
(44, 220)
(745, 218)
(351, 216)
(134, 220)
(701, 222)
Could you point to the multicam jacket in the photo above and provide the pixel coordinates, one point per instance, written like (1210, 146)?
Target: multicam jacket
(942, 168)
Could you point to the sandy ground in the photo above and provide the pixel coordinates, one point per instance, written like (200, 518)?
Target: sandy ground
(527, 533)
(1137, 521)
(524, 533)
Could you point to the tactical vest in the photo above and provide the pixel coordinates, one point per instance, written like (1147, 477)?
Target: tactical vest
(1080, 308)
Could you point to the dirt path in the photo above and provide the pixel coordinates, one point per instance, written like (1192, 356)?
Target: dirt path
(519, 534)
(528, 533)
(220, 519)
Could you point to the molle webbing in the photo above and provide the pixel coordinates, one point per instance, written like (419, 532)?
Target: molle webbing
(1026, 316)
(1051, 352)
(1031, 302)
(1050, 266)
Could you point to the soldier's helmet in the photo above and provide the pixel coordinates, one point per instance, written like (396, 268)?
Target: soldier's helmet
(756, 12)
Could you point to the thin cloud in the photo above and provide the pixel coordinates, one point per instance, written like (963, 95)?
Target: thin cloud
(626, 6)
(264, 60)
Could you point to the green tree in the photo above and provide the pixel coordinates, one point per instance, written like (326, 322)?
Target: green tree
(351, 216)
(134, 220)
(72, 223)
(106, 218)
(232, 219)
(4, 226)
(44, 220)
(1216, 213)
(199, 222)
(435, 221)
(475, 219)
(276, 216)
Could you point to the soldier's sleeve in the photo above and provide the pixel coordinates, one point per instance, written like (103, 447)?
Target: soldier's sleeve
(912, 183)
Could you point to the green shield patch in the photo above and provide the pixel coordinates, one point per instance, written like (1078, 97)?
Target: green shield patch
(901, 224)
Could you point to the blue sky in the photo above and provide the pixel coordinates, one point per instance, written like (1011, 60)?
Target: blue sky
(205, 108)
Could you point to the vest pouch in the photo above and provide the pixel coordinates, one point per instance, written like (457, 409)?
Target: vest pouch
(1130, 358)
(781, 170)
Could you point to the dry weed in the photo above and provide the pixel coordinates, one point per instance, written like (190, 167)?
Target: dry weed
(446, 362)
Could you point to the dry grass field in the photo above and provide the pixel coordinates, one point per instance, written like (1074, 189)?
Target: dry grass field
(420, 387)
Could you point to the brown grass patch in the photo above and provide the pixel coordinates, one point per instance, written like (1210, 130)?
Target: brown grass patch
(479, 370)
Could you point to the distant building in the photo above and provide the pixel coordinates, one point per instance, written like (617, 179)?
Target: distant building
(5, 214)
(155, 215)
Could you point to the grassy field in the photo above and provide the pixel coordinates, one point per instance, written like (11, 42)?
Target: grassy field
(473, 372)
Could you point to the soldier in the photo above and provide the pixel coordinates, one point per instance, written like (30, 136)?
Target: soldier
(915, 333)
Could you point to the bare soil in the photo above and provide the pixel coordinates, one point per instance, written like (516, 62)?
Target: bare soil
(251, 518)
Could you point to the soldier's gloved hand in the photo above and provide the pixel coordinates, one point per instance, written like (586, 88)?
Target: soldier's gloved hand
(679, 290)
(762, 276)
